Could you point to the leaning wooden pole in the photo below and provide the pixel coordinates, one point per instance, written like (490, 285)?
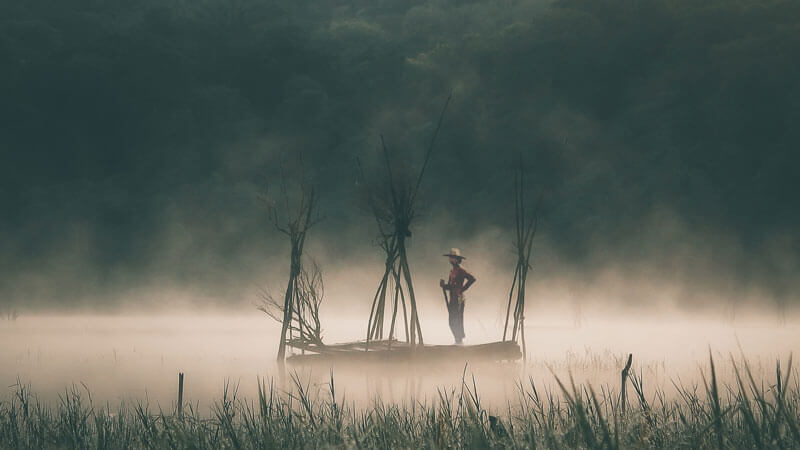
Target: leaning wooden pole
(531, 228)
(403, 303)
(521, 319)
(528, 251)
(429, 150)
(288, 309)
(520, 249)
(396, 297)
(510, 297)
(416, 330)
(377, 311)
(374, 311)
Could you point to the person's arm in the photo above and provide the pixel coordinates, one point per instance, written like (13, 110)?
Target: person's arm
(470, 280)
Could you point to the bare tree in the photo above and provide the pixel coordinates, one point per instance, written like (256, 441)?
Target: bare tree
(293, 214)
(305, 328)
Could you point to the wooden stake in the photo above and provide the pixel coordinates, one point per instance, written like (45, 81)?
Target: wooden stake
(510, 296)
(415, 327)
(623, 388)
(180, 394)
(522, 311)
(374, 312)
(394, 308)
(405, 315)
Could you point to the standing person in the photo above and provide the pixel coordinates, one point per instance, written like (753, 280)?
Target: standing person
(459, 281)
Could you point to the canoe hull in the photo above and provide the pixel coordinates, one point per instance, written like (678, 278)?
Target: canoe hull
(384, 352)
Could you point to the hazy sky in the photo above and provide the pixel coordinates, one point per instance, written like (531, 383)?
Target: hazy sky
(136, 136)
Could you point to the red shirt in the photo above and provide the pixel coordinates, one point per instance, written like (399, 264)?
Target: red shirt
(456, 282)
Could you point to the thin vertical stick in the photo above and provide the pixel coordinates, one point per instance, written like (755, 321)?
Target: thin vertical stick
(522, 311)
(520, 247)
(521, 197)
(522, 335)
(430, 148)
(392, 189)
(517, 306)
(394, 309)
(405, 315)
(510, 295)
(624, 385)
(288, 305)
(525, 229)
(415, 326)
(300, 317)
(374, 310)
(381, 311)
(532, 226)
(180, 394)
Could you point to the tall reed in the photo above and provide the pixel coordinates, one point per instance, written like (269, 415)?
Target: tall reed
(747, 413)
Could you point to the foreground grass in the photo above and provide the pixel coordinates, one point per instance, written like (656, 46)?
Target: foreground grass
(747, 414)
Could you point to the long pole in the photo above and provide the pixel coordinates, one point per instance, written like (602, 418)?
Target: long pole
(394, 309)
(415, 327)
(510, 296)
(405, 315)
(287, 310)
(374, 311)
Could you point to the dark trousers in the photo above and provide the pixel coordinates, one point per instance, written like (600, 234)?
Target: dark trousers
(456, 311)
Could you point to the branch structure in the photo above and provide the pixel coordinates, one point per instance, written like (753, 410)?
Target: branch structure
(394, 209)
(526, 224)
(299, 312)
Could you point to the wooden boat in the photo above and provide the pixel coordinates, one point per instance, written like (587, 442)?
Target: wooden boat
(393, 351)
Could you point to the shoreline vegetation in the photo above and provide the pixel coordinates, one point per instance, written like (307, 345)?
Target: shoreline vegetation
(743, 413)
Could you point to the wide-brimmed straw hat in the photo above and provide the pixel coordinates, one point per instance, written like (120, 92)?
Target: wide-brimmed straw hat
(455, 252)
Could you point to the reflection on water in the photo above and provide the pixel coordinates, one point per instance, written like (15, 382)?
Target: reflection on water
(122, 358)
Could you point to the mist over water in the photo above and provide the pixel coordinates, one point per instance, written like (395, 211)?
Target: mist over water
(137, 358)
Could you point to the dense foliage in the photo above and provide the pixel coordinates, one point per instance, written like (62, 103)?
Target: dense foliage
(125, 121)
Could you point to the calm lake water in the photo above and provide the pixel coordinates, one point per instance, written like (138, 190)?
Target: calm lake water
(124, 358)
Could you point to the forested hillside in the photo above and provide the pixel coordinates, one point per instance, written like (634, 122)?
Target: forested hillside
(125, 123)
